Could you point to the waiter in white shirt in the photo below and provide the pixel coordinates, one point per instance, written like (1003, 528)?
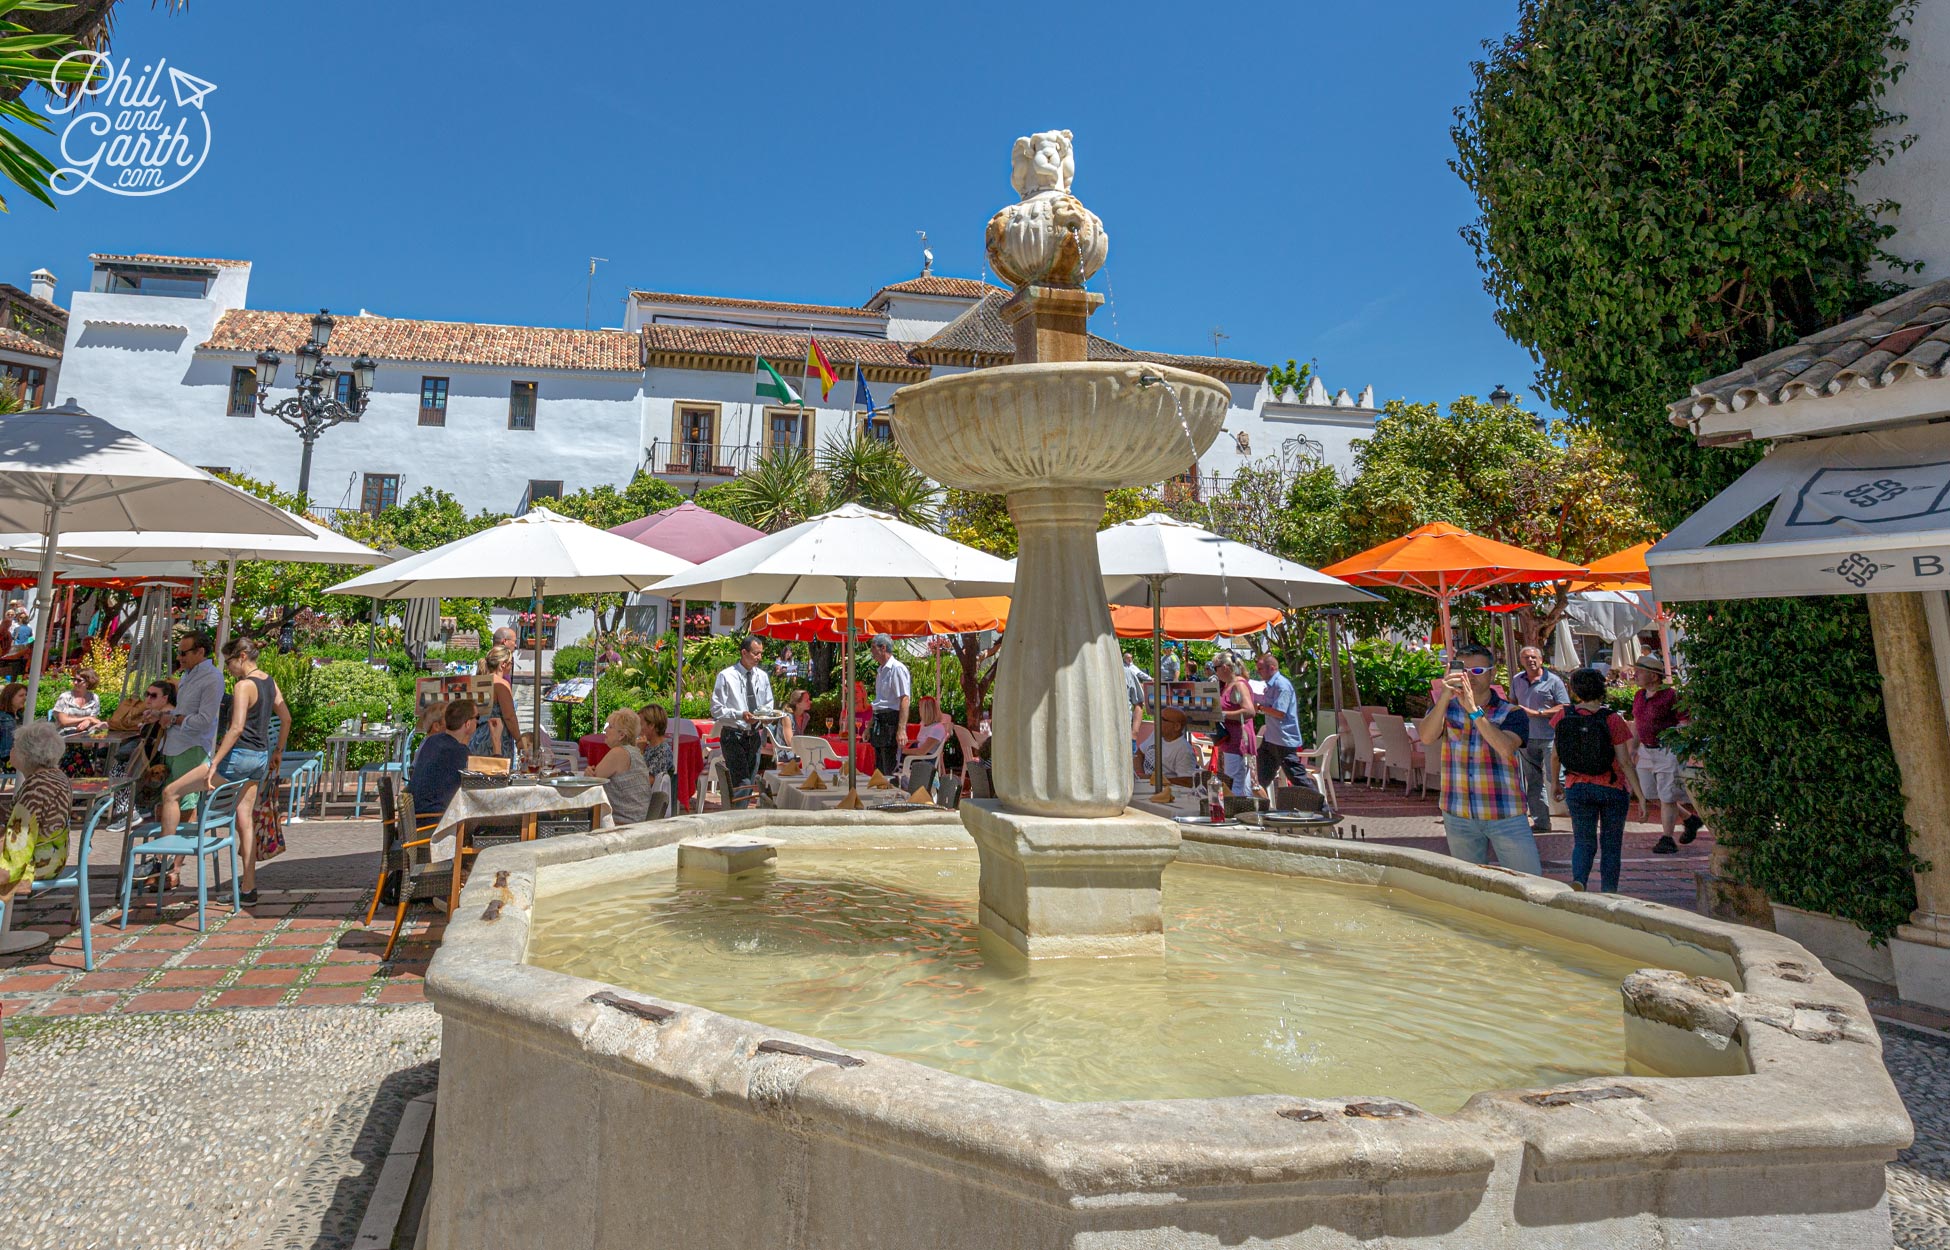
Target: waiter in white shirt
(893, 690)
(740, 696)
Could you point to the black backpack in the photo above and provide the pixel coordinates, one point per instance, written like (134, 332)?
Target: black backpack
(1584, 742)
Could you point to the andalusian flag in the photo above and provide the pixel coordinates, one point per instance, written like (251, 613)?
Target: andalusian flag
(770, 384)
(816, 363)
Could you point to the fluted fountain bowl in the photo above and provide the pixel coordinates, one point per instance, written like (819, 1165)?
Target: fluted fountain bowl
(1099, 424)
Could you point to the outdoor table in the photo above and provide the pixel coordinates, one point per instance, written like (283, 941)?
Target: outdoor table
(787, 795)
(528, 799)
(690, 767)
(1184, 802)
(335, 749)
(85, 791)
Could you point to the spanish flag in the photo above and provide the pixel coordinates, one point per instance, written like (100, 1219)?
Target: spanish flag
(817, 364)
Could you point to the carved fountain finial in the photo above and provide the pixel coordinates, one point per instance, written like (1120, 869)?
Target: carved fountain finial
(1049, 238)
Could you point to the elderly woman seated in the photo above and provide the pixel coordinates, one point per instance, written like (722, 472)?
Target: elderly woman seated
(43, 791)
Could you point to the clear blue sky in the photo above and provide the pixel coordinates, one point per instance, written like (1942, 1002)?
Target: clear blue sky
(1278, 170)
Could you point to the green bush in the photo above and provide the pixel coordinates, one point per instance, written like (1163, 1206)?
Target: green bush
(1390, 674)
(320, 698)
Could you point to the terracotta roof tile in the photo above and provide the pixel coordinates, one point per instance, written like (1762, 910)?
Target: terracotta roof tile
(150, 258)
(760, 305)
(716, 341)
(981, 335)
(434, 342)
(13, 340)
(1900, 339)
(932, 284)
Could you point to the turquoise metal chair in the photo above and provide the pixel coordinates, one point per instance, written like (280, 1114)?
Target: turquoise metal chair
(399, 766)
(75, 876)
(214, 832)
(300, 773)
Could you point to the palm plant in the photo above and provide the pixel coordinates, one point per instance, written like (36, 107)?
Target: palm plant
(28, 57)
(783, 489)
(874, 473)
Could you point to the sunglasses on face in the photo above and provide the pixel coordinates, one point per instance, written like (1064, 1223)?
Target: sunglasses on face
(1475, 672)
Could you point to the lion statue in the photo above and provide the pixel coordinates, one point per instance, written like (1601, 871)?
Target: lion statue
(1049, 238)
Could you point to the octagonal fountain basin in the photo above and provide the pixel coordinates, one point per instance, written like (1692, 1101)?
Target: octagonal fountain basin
(1342, 1044)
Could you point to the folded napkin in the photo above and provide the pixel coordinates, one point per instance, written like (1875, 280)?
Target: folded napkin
(791, 768)
(878, 781)
(814, 782)
(921, 795)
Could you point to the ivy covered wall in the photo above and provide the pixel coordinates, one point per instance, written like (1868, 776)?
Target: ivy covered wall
(1667, 188)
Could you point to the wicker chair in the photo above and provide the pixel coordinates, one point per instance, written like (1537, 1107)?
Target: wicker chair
(397, 842)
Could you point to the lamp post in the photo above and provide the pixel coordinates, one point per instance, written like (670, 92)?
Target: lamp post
(316, 407)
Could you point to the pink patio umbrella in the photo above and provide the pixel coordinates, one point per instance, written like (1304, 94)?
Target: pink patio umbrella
(690, 533)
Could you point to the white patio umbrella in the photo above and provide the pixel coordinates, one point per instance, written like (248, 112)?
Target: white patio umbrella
(314, 544)
(65, 468)
(527, 555)
(844, 554)
(1167, 563)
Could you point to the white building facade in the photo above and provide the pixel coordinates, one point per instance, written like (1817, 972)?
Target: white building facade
(502, 415)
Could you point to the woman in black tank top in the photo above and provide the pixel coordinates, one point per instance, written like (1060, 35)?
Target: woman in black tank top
(247, 751)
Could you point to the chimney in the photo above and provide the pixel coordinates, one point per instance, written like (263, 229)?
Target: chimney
(40, 284)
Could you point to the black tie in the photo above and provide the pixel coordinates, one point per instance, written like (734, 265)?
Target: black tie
(751, 694)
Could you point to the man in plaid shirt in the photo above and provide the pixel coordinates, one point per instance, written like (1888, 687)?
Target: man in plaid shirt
(1482, 736)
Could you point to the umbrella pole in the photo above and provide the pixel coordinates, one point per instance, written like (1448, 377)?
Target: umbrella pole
(677, 705)
(1442, 609)
(1158, 787)
(223, 612)
(372, 629)
(43, 597)
(536, 622)
(852, 800)
(1510, 647)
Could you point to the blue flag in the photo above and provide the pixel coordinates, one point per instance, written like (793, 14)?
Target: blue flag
(861, 395)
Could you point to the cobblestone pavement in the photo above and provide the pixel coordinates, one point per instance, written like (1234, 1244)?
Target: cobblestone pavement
(227, 1130)
(1919, 1180)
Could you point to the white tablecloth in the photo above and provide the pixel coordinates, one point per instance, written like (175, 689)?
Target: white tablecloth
(787, 794)
(503, 802)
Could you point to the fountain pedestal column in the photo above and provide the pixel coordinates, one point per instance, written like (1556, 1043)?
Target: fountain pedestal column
(1066, 869)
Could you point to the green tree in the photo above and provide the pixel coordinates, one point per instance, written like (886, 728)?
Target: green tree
(1665, 191)
(980, 520)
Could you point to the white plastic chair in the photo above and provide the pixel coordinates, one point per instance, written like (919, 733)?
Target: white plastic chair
(1401, 756)
(1321, 765)
(1354, 727)
(908, 761)
(816, 751)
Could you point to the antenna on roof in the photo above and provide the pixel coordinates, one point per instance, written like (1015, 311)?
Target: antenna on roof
(1218, 335)
(927, 254)
(590, 288)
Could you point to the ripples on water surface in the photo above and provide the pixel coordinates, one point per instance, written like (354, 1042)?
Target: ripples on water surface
(1270, 985)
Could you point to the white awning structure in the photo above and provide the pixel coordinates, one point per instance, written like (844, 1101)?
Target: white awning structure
(1853, 514)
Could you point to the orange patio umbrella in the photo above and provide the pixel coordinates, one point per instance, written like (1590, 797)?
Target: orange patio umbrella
(898, 618)
(920, 618)
(1626, 572)
(1442, 561)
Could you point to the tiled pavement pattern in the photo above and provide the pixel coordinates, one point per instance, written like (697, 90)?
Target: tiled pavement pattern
(303, 948)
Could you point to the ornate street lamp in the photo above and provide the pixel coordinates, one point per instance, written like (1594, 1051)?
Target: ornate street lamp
(316, 407)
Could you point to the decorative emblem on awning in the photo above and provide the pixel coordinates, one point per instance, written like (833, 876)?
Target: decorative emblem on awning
(1857, 570)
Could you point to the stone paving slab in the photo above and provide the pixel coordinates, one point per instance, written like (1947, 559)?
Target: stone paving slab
(205, 1130)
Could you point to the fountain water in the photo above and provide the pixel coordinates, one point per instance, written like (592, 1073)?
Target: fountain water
(939, 1100)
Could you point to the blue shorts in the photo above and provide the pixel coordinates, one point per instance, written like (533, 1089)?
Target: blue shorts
(239, 764)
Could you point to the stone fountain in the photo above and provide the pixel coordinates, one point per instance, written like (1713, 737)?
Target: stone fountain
(590, 1106)
(1067, 867)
